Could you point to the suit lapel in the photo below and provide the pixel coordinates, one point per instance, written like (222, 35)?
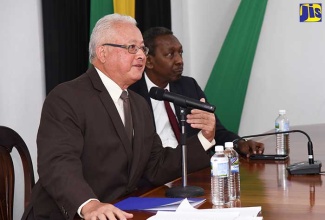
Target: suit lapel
(112, 111)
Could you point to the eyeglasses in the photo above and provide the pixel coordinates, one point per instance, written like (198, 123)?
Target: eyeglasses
(133, 49)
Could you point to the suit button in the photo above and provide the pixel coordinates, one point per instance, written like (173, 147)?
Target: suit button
(65, 212)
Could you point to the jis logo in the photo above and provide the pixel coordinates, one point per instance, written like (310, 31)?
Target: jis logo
(310, 12)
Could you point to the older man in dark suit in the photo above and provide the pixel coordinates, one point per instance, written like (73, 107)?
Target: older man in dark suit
(86, 158)
(164, 68)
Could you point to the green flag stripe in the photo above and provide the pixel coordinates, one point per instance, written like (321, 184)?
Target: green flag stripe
(99, 8)
(227, 85)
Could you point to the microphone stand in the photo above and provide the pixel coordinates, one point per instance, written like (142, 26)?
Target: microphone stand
(301, 168)
(184, 191)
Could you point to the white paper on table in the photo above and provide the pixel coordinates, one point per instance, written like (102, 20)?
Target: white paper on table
(243, 211)
(163, 215)
(186, 212)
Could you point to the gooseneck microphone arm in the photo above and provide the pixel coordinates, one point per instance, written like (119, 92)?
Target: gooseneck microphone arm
(300, 168)
(310, 144)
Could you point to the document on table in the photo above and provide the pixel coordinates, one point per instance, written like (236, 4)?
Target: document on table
(155, 204)
(187, 212)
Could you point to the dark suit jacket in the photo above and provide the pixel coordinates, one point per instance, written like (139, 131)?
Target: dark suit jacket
(84, 151)
(187, 86)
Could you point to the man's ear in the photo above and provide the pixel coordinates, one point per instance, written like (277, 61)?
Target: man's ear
(101, 54)
(149, 63)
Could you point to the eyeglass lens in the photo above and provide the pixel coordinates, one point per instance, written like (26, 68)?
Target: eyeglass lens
(134, 49)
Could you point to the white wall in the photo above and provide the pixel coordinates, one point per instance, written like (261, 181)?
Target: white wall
(289, 60)
(288, 70)
(21, 64)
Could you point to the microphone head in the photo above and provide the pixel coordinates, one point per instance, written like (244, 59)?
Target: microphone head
(156, 93)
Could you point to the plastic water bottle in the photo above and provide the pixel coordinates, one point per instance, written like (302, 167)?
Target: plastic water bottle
(220, 177)
(282, 140)
(234, 177)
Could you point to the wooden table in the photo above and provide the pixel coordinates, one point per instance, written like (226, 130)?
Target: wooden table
(267, 183)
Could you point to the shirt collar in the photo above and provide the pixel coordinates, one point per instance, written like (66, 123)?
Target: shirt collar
(113, 89)
(150, 84)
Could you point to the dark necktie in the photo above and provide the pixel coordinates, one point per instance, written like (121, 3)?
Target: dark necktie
(127, 115)
(173, 121)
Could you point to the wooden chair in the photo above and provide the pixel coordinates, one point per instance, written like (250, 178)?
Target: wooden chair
(9, 139)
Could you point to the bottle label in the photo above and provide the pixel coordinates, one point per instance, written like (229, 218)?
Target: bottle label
(282, 126)
(220, 167)
(282, 123)
(286, 126)
(277, 127)
(234, 164)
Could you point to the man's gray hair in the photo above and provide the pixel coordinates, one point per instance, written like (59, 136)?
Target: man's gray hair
(104, 29)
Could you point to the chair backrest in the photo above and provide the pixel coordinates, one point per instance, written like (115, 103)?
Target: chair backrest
(9, 139)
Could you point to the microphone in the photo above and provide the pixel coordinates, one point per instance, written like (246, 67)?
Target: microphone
(182, 101)
(307, 167)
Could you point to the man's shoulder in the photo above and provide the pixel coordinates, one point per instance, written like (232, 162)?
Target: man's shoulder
(74, 84)
(78, 89)
(185, 81)
(187, 86)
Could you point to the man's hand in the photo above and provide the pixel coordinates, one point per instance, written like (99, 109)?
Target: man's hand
(203, 120)
(250, 147)
(95, 210)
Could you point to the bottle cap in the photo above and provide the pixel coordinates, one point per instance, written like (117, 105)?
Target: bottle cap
(229, 145)
(218, 148)
(282, 112)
